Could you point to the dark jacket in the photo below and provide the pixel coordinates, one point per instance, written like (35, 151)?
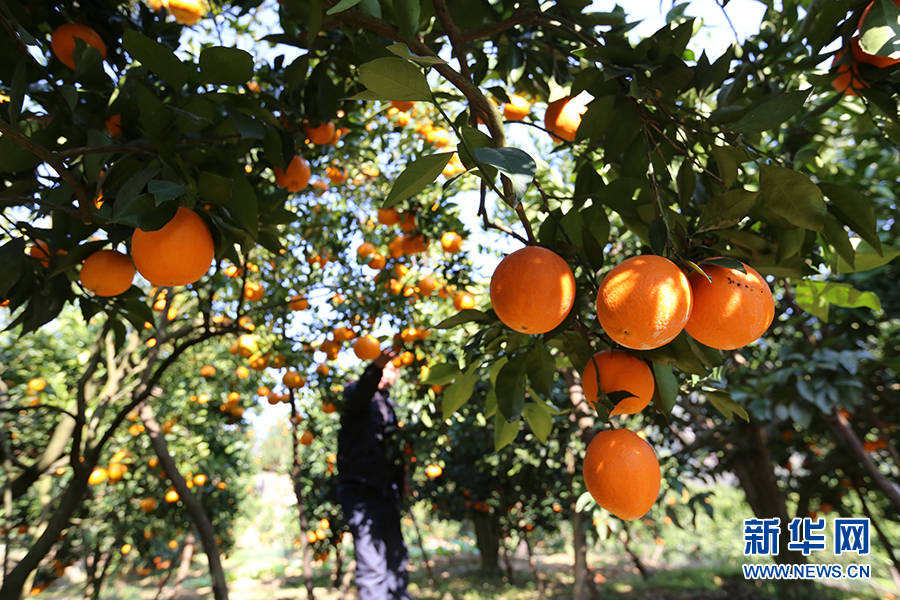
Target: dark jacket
(366, 446)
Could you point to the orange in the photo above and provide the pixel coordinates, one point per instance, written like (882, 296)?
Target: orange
(207, 371)
(126, 548)
(307, 438)
(41, 251)
(377, 261)
(730, 311)
(293, 380)
(427, 285)
(36, 385)
(253, 291)
(451, 242)
(365, 249)
(186, 12)
(622, 473)
(438, 136)
(876, 60)
(413, 244)
(407, 221)
(107, 273)
(388, 216)
(116, 471)
(321, 133)
(336, 175)
(172, 496)
(563, 117)
(847, 69)
(114, 125)
(179, 253)
(200, 479)
(619, 372)
(367, 348)
(63, 42)
(296, 178)
(328, 407)
(298, 303)
(403, 105)
(532, 290)
(517, 108)
(98, 476)
(433, 471)
(463, 300)
(644, 302)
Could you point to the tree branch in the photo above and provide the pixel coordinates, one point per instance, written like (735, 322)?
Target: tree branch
(84, 202)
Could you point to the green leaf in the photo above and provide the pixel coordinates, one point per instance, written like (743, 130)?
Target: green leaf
(866, 258)
(395, 79)
(226, 66)
(792, 196)
(686, 180)
(442, 374)
(541, 368)
(243, 205)
(511, 388)
(505, 432)
(727, 161)
(815, 297)
(466, 315)
(855, 210)
(458, 393)
(516, 164)
(342, 6)
(473, 139)
(416, 176)
(406, 13)
(142, 211)
(769, 114)
(726, 209)
(539, 420)
(156, 57)
(725, 261)
(666, 388)
(165, 191)
(837, 238)
(402, 50)
(725, 405)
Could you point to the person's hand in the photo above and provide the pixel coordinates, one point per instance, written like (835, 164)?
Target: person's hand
(385, 356)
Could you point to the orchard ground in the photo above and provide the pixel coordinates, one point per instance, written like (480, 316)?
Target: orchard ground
(685, 566)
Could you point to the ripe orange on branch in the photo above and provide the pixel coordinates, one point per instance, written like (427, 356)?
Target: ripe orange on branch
(322, 133)
(622, 473)
(619, 372)
(532, 290)
(179, 253)
(644, 302)
(186, 12)
(516, 109)
(107, 273)
(367, 348)
(296, 177)
(62, 42)
(563, 117)
(731, 309)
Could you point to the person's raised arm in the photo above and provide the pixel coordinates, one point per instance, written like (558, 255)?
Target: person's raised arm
(362, 391)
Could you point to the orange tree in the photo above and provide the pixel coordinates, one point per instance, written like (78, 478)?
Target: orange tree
(675, 155)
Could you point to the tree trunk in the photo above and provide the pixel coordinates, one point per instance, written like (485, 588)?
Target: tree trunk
(70, 501)
(487, 539)
(753, 466)
(538, 582)
(421, 544)
(184, 565)
(296, 479)
(625, 537)
(192, 504)
(844, 432)
(584, 422)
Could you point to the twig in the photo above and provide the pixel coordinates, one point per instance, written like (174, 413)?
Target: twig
(488, 224)
(84, 203)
